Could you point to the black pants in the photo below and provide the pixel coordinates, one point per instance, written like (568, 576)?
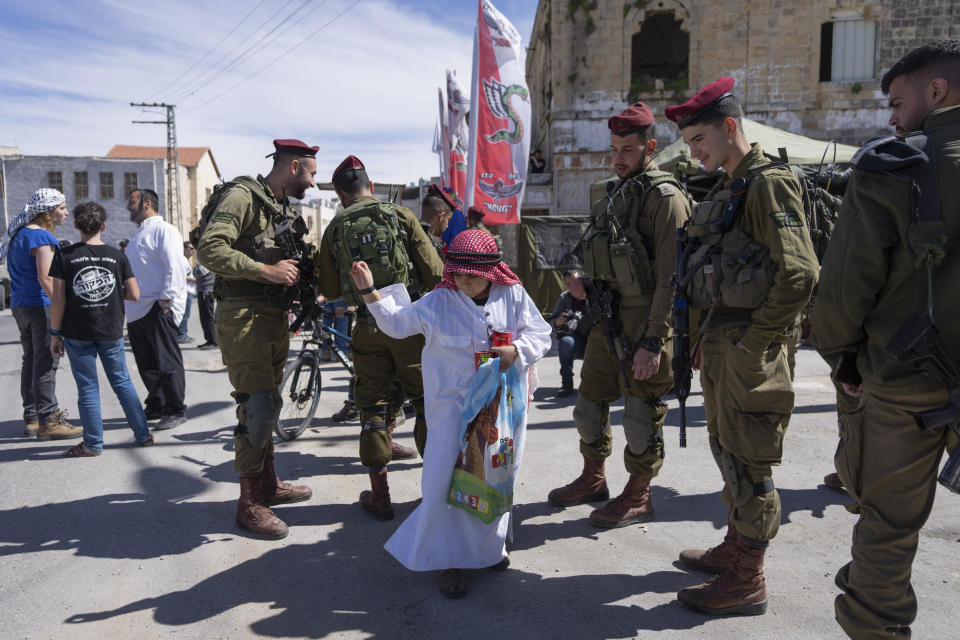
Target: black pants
(153, 339)
(38, 377)
(205, 302)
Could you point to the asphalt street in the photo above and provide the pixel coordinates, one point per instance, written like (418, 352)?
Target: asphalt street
(142, 543)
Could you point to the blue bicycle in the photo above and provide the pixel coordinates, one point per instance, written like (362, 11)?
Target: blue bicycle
(301, 383)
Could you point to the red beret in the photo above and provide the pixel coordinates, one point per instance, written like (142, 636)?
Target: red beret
(475, 211)
(351, 162)
(436, 191)
(294, 147)
(686, 113)
(636, 116)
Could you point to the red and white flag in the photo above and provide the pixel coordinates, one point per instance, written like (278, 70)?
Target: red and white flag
(458, 102)
(499, 119)
(444, 140)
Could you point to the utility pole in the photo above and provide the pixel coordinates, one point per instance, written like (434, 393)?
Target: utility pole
(173, 164)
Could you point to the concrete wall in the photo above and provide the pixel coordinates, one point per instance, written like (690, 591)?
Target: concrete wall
(25, 174)
(579, 70)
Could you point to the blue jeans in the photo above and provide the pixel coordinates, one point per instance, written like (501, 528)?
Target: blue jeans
(185, 322)
(570, 348)
(83, 362)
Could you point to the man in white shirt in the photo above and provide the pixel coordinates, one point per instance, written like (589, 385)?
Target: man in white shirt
(155, 253)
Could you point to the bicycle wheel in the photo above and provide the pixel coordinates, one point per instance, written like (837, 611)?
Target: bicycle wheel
(300, 391)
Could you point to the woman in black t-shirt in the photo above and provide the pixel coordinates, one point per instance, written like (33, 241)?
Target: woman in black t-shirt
(90, 282)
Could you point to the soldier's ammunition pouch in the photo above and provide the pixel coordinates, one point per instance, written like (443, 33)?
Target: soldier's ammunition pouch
(728, 269)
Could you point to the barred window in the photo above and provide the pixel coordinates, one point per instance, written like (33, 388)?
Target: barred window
(130, 183)
(106, 185)
(55, 180)
(848, 50)
(81, 188)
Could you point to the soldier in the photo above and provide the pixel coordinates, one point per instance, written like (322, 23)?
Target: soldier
(237, 244)
(893, 256)
(748, 261)
(629, 252)
(392, 242)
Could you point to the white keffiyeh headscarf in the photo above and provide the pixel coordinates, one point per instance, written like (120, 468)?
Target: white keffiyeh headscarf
(41, 201)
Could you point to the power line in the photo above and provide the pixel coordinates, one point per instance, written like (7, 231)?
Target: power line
(260, 42)
(277, 59)
(212, 49)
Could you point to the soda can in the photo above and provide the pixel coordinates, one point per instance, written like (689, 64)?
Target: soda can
(500, 338)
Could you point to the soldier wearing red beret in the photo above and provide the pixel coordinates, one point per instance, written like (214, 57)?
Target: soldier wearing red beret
(629, 254)
(397, 249)
(237, 244)
(748, 263)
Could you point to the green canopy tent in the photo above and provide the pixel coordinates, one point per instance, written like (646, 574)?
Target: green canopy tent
(545, 247)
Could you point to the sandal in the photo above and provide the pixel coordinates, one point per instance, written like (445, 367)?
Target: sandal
(146, 443)
(453, 583)
(80, 451)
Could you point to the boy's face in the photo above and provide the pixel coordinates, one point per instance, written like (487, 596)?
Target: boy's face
(473, 286)
(711, 144)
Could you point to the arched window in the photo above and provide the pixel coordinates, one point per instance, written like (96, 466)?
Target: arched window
(660, 51)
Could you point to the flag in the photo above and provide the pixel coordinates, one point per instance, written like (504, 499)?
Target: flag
(457, 104)
(499, 119)
(437, 147)
(444, 141)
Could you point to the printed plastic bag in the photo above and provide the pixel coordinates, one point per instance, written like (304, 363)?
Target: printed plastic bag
(482, 482)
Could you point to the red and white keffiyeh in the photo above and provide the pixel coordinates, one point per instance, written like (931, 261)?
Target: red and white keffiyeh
(474, 251)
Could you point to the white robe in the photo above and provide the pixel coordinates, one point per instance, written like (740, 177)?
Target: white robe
(438, 535)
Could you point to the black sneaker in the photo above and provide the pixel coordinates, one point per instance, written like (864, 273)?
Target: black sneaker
(565, 391)
(184, 339)
(153, 414)
(169, 422)
(207, 345)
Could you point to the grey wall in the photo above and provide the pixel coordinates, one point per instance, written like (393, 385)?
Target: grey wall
(25, 174)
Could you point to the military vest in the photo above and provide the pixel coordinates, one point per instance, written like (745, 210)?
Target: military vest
(371, 231)
(723, 265)
(618, 248)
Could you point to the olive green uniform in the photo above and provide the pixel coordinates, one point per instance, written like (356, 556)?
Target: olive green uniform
(251, 324)
(872, 282)
(748, 397)
(649, 215)
(379, 359)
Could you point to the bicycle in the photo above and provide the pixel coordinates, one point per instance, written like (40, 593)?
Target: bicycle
(301, 382)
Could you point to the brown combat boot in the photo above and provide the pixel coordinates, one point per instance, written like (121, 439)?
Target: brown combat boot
(276, 491)
(30, 428)
(590, 486)
(253, 515)
(740, 590)
(398, 451)
(715, 559)
(377, 501)
(630, 507)
(56, 427)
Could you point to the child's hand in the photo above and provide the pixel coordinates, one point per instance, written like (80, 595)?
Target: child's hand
(507, 354)
(362, 276)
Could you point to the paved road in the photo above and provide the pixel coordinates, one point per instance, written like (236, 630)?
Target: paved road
(141, 543)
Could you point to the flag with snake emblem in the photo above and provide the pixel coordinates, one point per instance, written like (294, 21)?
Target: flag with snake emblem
(499, 119)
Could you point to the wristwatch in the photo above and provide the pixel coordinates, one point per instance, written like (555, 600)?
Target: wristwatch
(369, 289)
(653, 344)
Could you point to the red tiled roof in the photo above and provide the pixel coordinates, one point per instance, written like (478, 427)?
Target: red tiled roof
(188, 156)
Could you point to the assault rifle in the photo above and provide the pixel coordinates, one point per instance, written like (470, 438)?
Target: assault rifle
(602, 304)
(919, 343)
(288, 235)
(681, 362)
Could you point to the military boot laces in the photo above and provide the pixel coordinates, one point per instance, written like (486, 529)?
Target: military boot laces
(589, 486)
(56, 427)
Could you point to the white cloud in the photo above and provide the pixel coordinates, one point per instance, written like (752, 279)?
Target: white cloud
(365, 85)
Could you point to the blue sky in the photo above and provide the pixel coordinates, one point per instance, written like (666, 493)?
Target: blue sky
(364, 84)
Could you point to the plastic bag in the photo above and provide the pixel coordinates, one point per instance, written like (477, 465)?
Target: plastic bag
(482, 481)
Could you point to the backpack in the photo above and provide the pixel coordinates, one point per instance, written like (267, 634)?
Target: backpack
(373, 233)
(219, 191)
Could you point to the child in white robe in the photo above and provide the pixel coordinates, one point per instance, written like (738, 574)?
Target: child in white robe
(479, 294)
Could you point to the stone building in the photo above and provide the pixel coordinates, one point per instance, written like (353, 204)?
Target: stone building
(812, 68)
(80, 178)
(198, 175)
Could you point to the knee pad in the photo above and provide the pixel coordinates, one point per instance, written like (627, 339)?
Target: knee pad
(734, 474)
(261, 412)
